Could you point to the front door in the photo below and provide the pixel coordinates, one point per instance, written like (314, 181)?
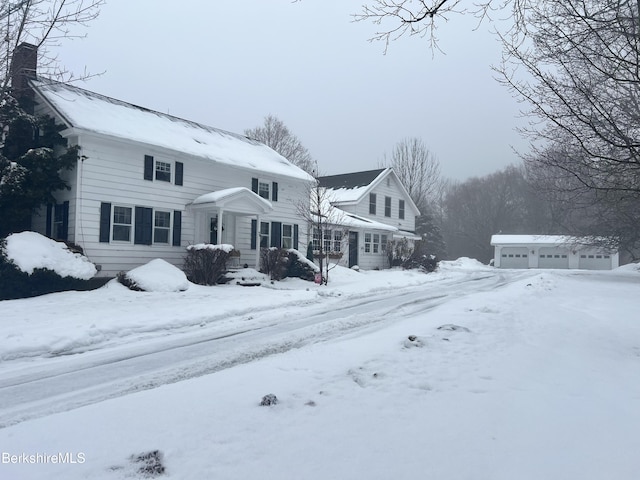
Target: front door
(213, 230)
(353, 249)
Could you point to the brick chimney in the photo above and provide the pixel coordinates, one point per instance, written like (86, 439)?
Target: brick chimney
(23, 67)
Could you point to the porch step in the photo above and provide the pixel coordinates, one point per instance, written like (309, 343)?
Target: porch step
(246, 277)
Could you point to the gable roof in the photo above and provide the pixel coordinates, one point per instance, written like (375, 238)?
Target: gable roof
(92, 112)
(350, 180)
(351, 188)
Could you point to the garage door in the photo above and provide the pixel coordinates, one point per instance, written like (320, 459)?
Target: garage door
(514, 257)
(553, 257)
(595, 261)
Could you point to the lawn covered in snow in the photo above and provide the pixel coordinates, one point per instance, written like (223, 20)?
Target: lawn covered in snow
(536, 379)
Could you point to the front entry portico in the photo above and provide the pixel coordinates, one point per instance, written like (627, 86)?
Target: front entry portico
(225, 217)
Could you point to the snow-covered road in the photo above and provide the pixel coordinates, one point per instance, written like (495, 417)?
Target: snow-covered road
(82, 376)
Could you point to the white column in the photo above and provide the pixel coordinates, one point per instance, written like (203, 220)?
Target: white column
(257, 242)
(220, 212)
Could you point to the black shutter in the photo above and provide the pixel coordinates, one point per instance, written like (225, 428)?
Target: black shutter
(276, 234)
(179, 172)
(143, 226)
(148, 167)
(254, 234)
(254, 185)
(177, 228)
(295, 236)
(274, 191)
(64, 235)
(49, 220)
(105, 221)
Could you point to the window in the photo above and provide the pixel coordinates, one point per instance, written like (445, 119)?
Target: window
(337, 240)
(383, 243)
(316, 240)
(387, 206)
(263, 190)
(287, 236)
(161, 227)
(122, 224)
(401, 209)
(372, 203)
(264, 234)
(58, 223)
(367, 243)
(376, 243)
(163, 171)
(326, 241)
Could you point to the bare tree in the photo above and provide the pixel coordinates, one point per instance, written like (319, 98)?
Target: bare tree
(44, 24)
(417, 168)
(577, 65)
(275, 134)
(321, 217)
(482, 206)
(419, 17)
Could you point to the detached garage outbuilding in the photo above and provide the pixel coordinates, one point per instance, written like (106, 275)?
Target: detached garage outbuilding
(550, 251)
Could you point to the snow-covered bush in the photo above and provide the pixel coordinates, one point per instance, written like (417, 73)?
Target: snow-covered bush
(399, 251)
(301, 267)
(32, 264)
(273, 262)
(206, 264)
(281, 263)
(421, 259)
(155, 276)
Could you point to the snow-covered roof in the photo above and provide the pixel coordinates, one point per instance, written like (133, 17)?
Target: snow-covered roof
(356, 221)
(229, 197)
(350, 187)
(535, 240)
(89, 111)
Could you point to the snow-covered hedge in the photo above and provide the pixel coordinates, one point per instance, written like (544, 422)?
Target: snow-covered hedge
(155, 276)
(32, 264)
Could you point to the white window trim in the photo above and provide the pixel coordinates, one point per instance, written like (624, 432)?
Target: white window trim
(289, 237)
(168, 229)
(267, 189)
(156, 164)
(113, 224)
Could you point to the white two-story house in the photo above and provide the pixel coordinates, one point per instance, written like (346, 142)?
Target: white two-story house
(375, 208)
(148, 184)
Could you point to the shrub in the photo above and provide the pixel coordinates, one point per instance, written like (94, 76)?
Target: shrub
(420, 259)
(399, 251)
(281, 263)
(301, 267)
(206, 264)
(127, 282)
(14, 283)
(273, 262)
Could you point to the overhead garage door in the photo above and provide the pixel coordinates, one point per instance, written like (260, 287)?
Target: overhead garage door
(553, 257)
(595, 261)
(514, 257)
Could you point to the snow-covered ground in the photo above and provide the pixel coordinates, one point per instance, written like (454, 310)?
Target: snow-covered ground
(497, 375)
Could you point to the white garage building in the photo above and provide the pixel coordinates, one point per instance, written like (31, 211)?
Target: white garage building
(550, 251)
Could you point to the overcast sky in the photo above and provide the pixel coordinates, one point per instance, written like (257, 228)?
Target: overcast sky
(229, 63)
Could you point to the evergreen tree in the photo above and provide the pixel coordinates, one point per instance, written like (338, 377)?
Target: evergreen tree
(429, 228)
(33, 155)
